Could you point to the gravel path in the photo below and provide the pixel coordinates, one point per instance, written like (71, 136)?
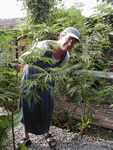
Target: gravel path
(65, 140)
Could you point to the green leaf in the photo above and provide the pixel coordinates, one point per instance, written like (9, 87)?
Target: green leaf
(4, 121)
(23, 147)
(111, 105)
(17, 119)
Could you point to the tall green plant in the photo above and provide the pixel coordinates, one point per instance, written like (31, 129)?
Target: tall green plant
(9, 85)
(39, 10)
(91, 54)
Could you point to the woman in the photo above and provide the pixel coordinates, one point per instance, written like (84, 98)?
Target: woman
(37, 116)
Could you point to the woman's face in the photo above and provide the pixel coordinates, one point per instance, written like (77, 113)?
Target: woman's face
(68, 43)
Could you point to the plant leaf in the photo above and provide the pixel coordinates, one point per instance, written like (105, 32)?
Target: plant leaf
(17, 119)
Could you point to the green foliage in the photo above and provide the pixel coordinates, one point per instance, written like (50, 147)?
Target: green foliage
(67, 17)
(39, 10)
(103, 10)
(17, 118)
(23, 147)
(9, 85)
(57, 22)
(111, 105)
(6, 126)
(85, 121)
(3, 133)
(64, 118)
(91, 54)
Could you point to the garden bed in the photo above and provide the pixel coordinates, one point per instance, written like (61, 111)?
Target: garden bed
(68, 115)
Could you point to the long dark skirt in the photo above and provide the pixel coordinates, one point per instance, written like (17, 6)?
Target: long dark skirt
(37, 116)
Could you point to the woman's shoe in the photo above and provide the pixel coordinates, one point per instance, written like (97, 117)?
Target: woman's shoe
(52, 142)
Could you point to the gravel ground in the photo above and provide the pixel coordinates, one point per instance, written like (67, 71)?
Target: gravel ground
(65, 140)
